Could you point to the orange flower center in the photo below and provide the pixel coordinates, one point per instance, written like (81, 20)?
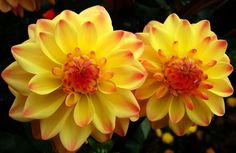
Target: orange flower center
(80, 74)
(182, 75)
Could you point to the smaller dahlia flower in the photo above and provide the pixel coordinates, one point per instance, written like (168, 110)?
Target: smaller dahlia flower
(18, 6)
(187, 74)
(74, 75)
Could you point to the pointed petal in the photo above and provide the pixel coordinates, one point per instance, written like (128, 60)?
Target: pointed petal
(52, 125)
(43, 106)
(225, 70)
(31, 31)
(181, 127)
(121, 104)
(59, 148)
(69, 16)
(171, 22)
(65, 36)
(44, 25)
(213, 50)
(221, 87)
(134, 45)
(100, 16)
(73, 136)
(184, 36)
(104, 119)
(108, 43)
(100, 137)
(123, 57)
(17, 78)
(122, 125)
(158, 108)
(44, 83)
(160, 39)
(176, 109)
(148, 89)
(107, 87)
(202, 29)
(200, 114)
(26, 55)
(87, 36)
(16, 110)
(216, 104)
(128, 77)
(50, 48)
(84, 111)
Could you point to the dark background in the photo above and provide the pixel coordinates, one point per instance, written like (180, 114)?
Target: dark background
(130, 15)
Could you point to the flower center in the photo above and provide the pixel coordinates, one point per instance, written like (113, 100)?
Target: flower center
(182, 75)
(80, 74)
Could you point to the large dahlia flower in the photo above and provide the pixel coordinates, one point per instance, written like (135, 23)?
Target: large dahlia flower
(187, 74)
(74, 74)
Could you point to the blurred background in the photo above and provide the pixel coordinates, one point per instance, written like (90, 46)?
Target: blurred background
(130, 15)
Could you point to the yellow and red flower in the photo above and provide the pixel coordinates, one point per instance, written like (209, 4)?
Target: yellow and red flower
(75, 75)
(187, 73)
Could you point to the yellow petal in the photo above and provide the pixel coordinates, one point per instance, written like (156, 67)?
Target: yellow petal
(65, 36)
(100, 137)
(128, 77)
(148, 89)
(121, 104)
(202, 29)
(107, 86)
(58, 147)
(123, 57)
(160, 39)
(50, 47)
(134, 45)
(69, 16)
(42, 106)
(213, 50)
(109, 43)
(225, 70)
(84, 111)
(221, 87)
(181, 127)
(176, 109)
(52, 125)
(44, 83)
(184, 36)
(158, 108)
(44, 25)
(122, 125)
(31, 31)
(87, 36)
(30, 57)
(104, 119)
(171, 22)
(72, 98)
(17, 78)
(216, 104)
(100, 16)
(73, 136)
(144, 37)
(16, 110)
(200, 114)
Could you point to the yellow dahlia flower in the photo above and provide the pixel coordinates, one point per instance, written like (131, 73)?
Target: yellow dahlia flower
(187, 73)
(18, 6)
(74, 74)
